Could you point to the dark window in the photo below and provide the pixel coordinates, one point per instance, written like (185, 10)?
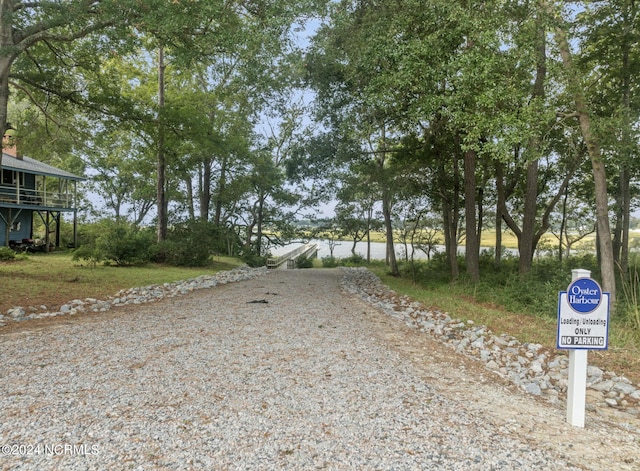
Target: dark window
(7, 177)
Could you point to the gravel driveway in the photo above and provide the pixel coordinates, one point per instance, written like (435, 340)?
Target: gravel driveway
(284, 371)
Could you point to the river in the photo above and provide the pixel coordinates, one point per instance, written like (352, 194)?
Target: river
(343, 249)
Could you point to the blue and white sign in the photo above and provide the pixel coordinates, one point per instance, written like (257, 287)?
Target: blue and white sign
(584, 295)
(583, 316)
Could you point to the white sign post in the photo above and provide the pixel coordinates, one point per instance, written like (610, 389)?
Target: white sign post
(583, 325)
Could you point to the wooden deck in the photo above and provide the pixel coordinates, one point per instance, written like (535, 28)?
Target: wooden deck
(288, 260)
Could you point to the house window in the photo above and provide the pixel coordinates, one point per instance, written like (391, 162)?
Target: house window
(9, 177)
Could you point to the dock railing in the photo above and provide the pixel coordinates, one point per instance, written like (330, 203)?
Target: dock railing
(307, 250)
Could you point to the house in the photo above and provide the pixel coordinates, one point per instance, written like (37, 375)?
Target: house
(31, 189)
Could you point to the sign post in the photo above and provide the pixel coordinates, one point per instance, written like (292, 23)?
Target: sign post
(583, 325)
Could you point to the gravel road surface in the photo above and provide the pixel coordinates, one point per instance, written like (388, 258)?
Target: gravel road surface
(283, 371)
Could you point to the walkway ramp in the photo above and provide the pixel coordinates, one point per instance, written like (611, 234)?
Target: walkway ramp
(288, 260)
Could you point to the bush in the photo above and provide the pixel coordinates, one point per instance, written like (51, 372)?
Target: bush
(188, 244)
(191, 243)
(6, 254)
(118, 242)
(304, 262)
(253, 260)
(354, 260)
(87, 253)
(329, 262)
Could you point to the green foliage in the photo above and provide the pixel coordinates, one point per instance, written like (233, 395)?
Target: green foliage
(329, 262)
(87, 253)
(254, 260)
(630, 302)
(534, 293)
(304, 262)
(353, 261)
(191, 243)
(6, 254)
(436, 271)
(117, 242)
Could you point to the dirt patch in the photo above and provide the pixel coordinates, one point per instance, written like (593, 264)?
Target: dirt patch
(609, 440)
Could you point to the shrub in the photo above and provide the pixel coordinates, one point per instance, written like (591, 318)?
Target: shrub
(87, 253)
(253, 260)
(187, 244)
(6, 254)
(118, 242)
(354, 260)
(329, 262)
(192, 243)
(125, 244)
(304, 262)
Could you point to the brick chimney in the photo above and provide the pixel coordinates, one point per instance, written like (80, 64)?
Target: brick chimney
(10, 143)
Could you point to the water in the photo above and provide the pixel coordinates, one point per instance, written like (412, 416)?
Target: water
(378, 250)
(343, 249)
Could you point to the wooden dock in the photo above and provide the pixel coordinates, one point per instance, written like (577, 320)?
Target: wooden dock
(288, 260)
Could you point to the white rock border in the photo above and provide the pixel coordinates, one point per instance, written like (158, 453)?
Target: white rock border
(138, 295)
(525, 365)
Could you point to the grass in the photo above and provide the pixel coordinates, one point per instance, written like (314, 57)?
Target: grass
(54, 279)
(622, 357)
(509, 240)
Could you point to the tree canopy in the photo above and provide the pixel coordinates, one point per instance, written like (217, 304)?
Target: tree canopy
(509, 115)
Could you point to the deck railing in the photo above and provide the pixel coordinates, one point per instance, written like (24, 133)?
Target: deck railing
(24, 196)
(307, 249)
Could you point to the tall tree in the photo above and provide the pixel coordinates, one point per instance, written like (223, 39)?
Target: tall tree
(161, 162)
(575, 87)
(609, 39)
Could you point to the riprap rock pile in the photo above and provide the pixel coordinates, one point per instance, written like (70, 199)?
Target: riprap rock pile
(533, 368)
(138, 295)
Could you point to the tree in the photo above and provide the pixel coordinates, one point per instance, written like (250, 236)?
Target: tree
(356, 202)
(328, 229)
(161, 163)
(609, 38)
(352, 221)
(24, 26)
(582, 113)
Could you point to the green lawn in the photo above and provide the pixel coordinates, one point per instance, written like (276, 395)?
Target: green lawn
(53, 279)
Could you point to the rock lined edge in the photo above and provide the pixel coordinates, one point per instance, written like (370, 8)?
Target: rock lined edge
(525, 365)
(138, 295)
(530, 367)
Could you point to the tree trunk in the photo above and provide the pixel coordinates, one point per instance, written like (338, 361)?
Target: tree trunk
(526, 245)
(369, 219)
(260, 216)
(190, 204)
(450, 215)
(472, 244)
(622, 213)
(628, 145)
(527, 240)
(6, 61)
(501, 201)
(205, 190)
(625, 180)
(563, 225)
(391, 252)
(161, 161)
(605, 245)
(480, 212)
(387, 205)
(222, 184)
